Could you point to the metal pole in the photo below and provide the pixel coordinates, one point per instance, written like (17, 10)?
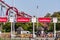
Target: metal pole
(33, 30)
(11, 29)
(54, 30)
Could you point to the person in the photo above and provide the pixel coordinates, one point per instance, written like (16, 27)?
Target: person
(40, 31)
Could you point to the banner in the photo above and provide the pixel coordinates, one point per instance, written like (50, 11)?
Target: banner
(42, 19)
(23, 19)
(3, 19)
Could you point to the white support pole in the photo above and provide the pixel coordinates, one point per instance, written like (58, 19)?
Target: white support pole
(55, 21)
(33, 21)
(33, 30)
(11, 29)
(12, 21)
(54, 30)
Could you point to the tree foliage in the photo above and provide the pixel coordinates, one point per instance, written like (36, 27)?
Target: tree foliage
(6, 27)
(55, 14)
(48, 15)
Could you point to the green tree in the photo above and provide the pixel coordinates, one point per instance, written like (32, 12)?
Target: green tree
(23, 25)
(56, 14)
(48, 15)
(6, 27)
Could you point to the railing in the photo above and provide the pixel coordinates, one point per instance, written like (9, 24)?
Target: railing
(27, 39)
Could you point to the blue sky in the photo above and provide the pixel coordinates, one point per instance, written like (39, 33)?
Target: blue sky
(30, 6)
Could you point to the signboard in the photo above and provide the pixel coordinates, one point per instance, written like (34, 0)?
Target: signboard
(33, 19)
(54, 20)
(11, 19)
(3, 19)
(42, 19)
(23, 19)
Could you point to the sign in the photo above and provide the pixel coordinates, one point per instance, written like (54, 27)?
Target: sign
(33, 19)
(23, 19)
(3, 19)
(54, 20)
(42, 19)
(11, 19)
